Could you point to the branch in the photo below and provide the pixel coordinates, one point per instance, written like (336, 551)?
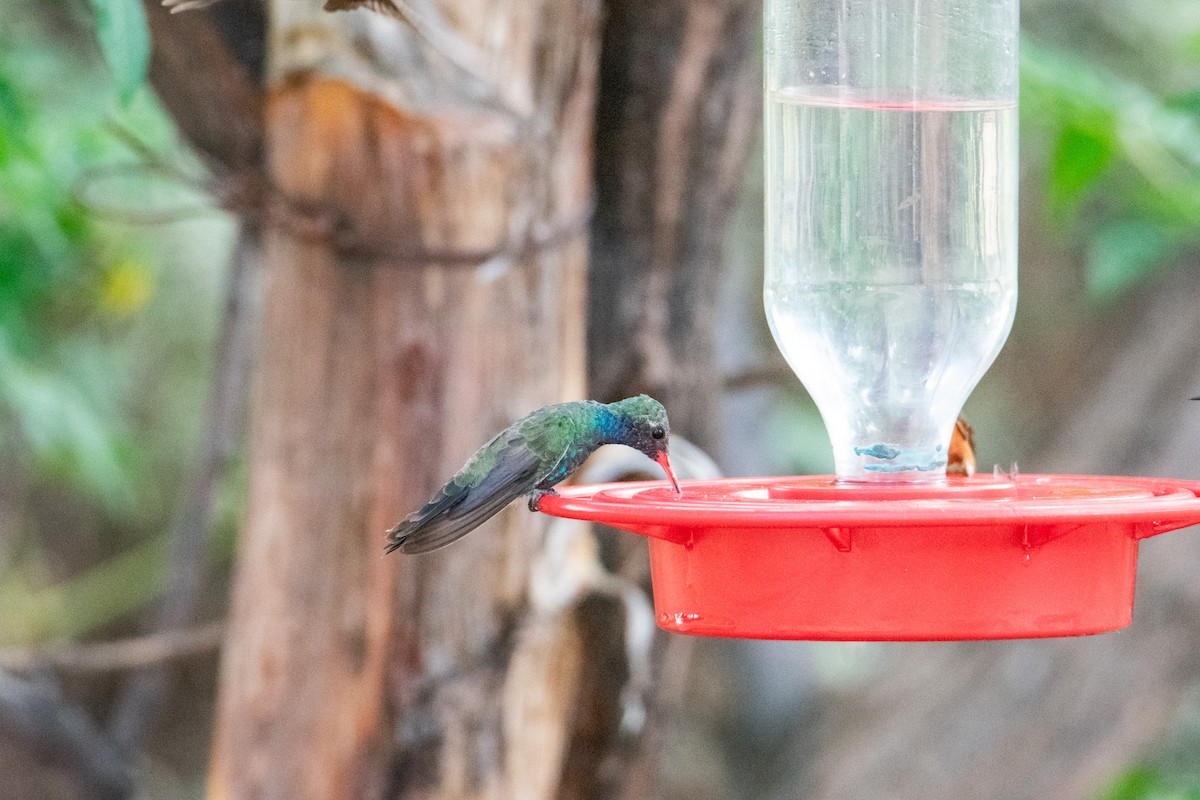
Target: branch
(122, 654)
(774, 373)
(55, 738)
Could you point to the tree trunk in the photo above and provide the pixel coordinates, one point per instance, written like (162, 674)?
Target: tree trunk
(390, 351)
(679, 104)
(678, 107)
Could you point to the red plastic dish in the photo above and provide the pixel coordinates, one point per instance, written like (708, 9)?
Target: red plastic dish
(806, 558)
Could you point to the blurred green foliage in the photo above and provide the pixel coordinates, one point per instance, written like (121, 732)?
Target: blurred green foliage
(105, 327)
(125, 41)
(1144, 782)
(1116, 157)
(57, 271)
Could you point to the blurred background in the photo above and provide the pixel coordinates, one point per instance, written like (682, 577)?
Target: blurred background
(123, 374)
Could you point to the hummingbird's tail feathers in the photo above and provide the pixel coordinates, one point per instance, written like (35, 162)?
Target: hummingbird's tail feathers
(465, 503)
(413, 529)
(423, 532)
(395, 537)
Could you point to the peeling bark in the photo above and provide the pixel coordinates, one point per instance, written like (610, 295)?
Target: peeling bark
(348, 674)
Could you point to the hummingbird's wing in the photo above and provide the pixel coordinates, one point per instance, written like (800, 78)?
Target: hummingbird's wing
(504, 469)
(392, 8)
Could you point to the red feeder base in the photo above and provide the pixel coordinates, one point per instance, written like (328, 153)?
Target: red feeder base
(977, 558)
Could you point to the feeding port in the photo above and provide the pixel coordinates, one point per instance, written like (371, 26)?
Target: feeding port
(890, 287)
(810, 558)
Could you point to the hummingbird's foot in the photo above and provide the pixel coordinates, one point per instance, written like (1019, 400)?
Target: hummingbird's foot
(536, 495)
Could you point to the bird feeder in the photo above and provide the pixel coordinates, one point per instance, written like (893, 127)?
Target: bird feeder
(890, 287)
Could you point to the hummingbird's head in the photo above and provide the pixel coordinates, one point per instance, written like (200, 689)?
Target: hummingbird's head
(644, 427)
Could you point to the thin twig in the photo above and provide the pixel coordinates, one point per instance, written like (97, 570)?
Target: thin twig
(149, 156)
(149, 163)
(759, 375)
(91, 181)
(118, 655)
(549, 237)
(141, 698)
(252, 196)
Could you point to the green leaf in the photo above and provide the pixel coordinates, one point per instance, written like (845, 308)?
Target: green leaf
(12, 111)
(1145, 782)
(63, 430)
(125, 42)
(1135, 783)
(1188, 102)
(1080, 157)
(1158, 139)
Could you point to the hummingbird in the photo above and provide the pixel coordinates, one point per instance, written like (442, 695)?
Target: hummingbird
(962, 450)
(530, 457)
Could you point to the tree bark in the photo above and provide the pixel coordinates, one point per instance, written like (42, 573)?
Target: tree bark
(387, 356)
(679, 104)
(210, 94)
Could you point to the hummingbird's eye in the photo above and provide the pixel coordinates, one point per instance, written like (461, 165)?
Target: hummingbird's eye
(658, 432)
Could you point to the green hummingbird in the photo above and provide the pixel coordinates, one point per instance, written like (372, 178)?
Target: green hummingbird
(530, 457)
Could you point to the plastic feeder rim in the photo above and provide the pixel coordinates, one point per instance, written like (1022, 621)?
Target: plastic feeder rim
(974, 558)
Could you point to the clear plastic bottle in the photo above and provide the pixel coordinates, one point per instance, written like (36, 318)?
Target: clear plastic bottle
(891, 195)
